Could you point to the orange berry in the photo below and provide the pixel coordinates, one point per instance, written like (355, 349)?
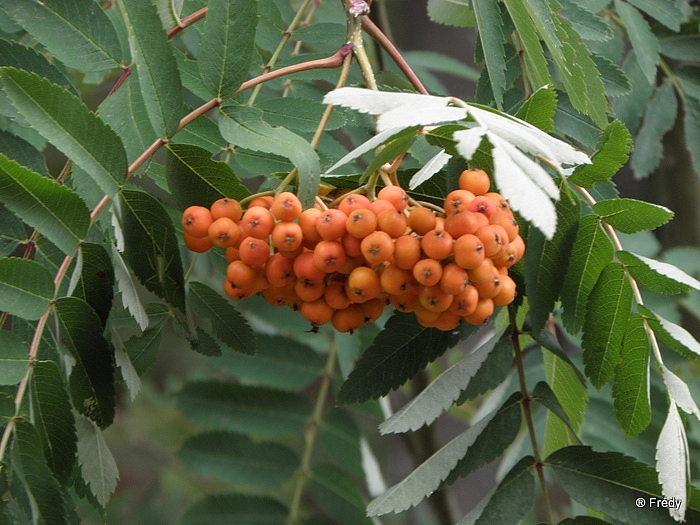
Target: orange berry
(469, 251)
(505, 219)
(348, 319)
(464, 222)
(396, 195)
(393, 222)
(196, 221)
(351, 244)
(307, 222)
(265, 201)
(224, 233)
(498, 200)
(490, 287)
(482, 204)
(454, 278)
(494, 238)
(279, 270)
(437, 244)
(286, 206)
(331, 224)
(317, 312)
(372, 310)
(380, 205)
(475, 180)
(307, 291)
(447, 321)
(225, 207)
(275, 295)
(433, 298)
(421, 220)
(231, 254)
(482, 312)
(464, 303)
(197, 244)
(377, 247)
(237, 294)
(335, 295)
(254, 252)
(257, 222)
(353, 202)
(395, 280)
(362, 285)
(240, 275)
(305, 269)
(361, 222)
(424, 316)
(457, 200)
(427, 272)
(406, 252)
(485, 271)
(329, 256)
(507, 293)
(286, 236)
(405, 301)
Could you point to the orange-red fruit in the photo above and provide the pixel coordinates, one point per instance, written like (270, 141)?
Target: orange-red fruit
(361, 222)
(240, 275)
(225, 207)
(474, 180)
(482, 204)
(393, 222)
(505, 219)
(348, 319)
(377, 247)
(254, 252)
(197, 244)
(395, 280)
(406, 252)
(421, 220)
(427, 272)
(317, 312)
(307, 291)
(372, 310)
(237, 294)
(464, 303)
(265, 201)
(437, 244)
(498, 200)
(507, 292)
(286, 206)
(494, 238)
(329, 256)
(335, 295)
(458, 200)
(287, 236)
(331, 224)
(489, 288)
(433, 298)
(396, 195)
(454, 278)
(469, 251)
(279, 270)
(362, 285)
(464, 222)
(224, 233)
(307, 222)
(482, 312)
(305, 269)
(353, 202)
(196, 221)
(257, 222)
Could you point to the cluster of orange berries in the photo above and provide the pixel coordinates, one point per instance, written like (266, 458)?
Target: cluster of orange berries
(345, 264)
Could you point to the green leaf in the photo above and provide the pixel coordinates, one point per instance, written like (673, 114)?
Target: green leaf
(14, 358)
(658, 120)
(241, 509)
(53, 419)
(22, 152)
(279, 362)
(340, 438)
(492, 372)
(242, 409)
(665, 11)
(533, 54)
(680, 46)
(125, 112)
(691, 129)
(613, 148)
(26, 288)
(543, 394)
(65, 121)
(151, 246)
(644, 42)
(610, 482)
(97, 465)
(586, 23)
(605, 323)
(483, 441)
(79, 32)
(95, 284)
(226, 48)
(490, 24)
(53, 209)
(672, 461)
(202, 132)
(631, 381)
(591, 252)
(12, 232)
(244, 127)
(632, 216)
(337, 495)
(228, 324)
(159, 77)
(143, 349)
(298, 113)
(614, 79)
(675, 337)
(656, 276)
(398, 353)
(29, 464)
(92, 377)
(451, 13)
(539, 108)
(547, 261)
(513, 497)
(195, 179)
(439, 395)
(205, 343)
(236, 459)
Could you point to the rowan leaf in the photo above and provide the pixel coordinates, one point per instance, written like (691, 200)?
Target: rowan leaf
(91, 380)
(672, 335)
(151, 247)
(298, 113)
(451, 12)
(657, 276)
(613, 148)
(78, 32)
(157, 69)
(614, 79)
(398, 353)
(65, 121)
(143, 349)
(430, 168)
(490, 27)
(26, 288)
(644, 42)
(658, 120)
(226, 48)
(97, 465)
(14, 358)
(337, 495)
(539, 108)
(605, 323)
(631, 381)
(673, 461)
(235, 508)
(513, 498)
(228, 324)
(586, 23)
(533, 54)
(95, 283)
(665, 11)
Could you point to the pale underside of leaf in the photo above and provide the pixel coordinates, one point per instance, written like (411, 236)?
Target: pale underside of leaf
(378, 102)
(679, 392)
(670, 271)
(672, 461)
(429, 169)
(407, 116)
(127, 287)
(468, 141)
(363, 148)
(97, 463)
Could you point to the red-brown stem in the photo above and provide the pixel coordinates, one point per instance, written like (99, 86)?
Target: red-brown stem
(187, 21)
(125, 74)
(372, 30)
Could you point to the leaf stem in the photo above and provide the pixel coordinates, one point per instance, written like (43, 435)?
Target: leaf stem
(527, 400)
(311, 433)
(187, 21)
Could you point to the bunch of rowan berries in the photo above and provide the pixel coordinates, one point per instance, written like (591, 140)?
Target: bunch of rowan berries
(346, 263)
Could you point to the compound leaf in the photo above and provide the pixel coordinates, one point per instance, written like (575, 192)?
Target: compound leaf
(451, 13)
(644, 42)
(539, 108)
(613, 148)
(672, 461)
(675, 337)
(513, 497)
(14, 358)
(632, 216)
(95, 285)
(26, 288)
(97, 465)
(490, 25)
(656, 276)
